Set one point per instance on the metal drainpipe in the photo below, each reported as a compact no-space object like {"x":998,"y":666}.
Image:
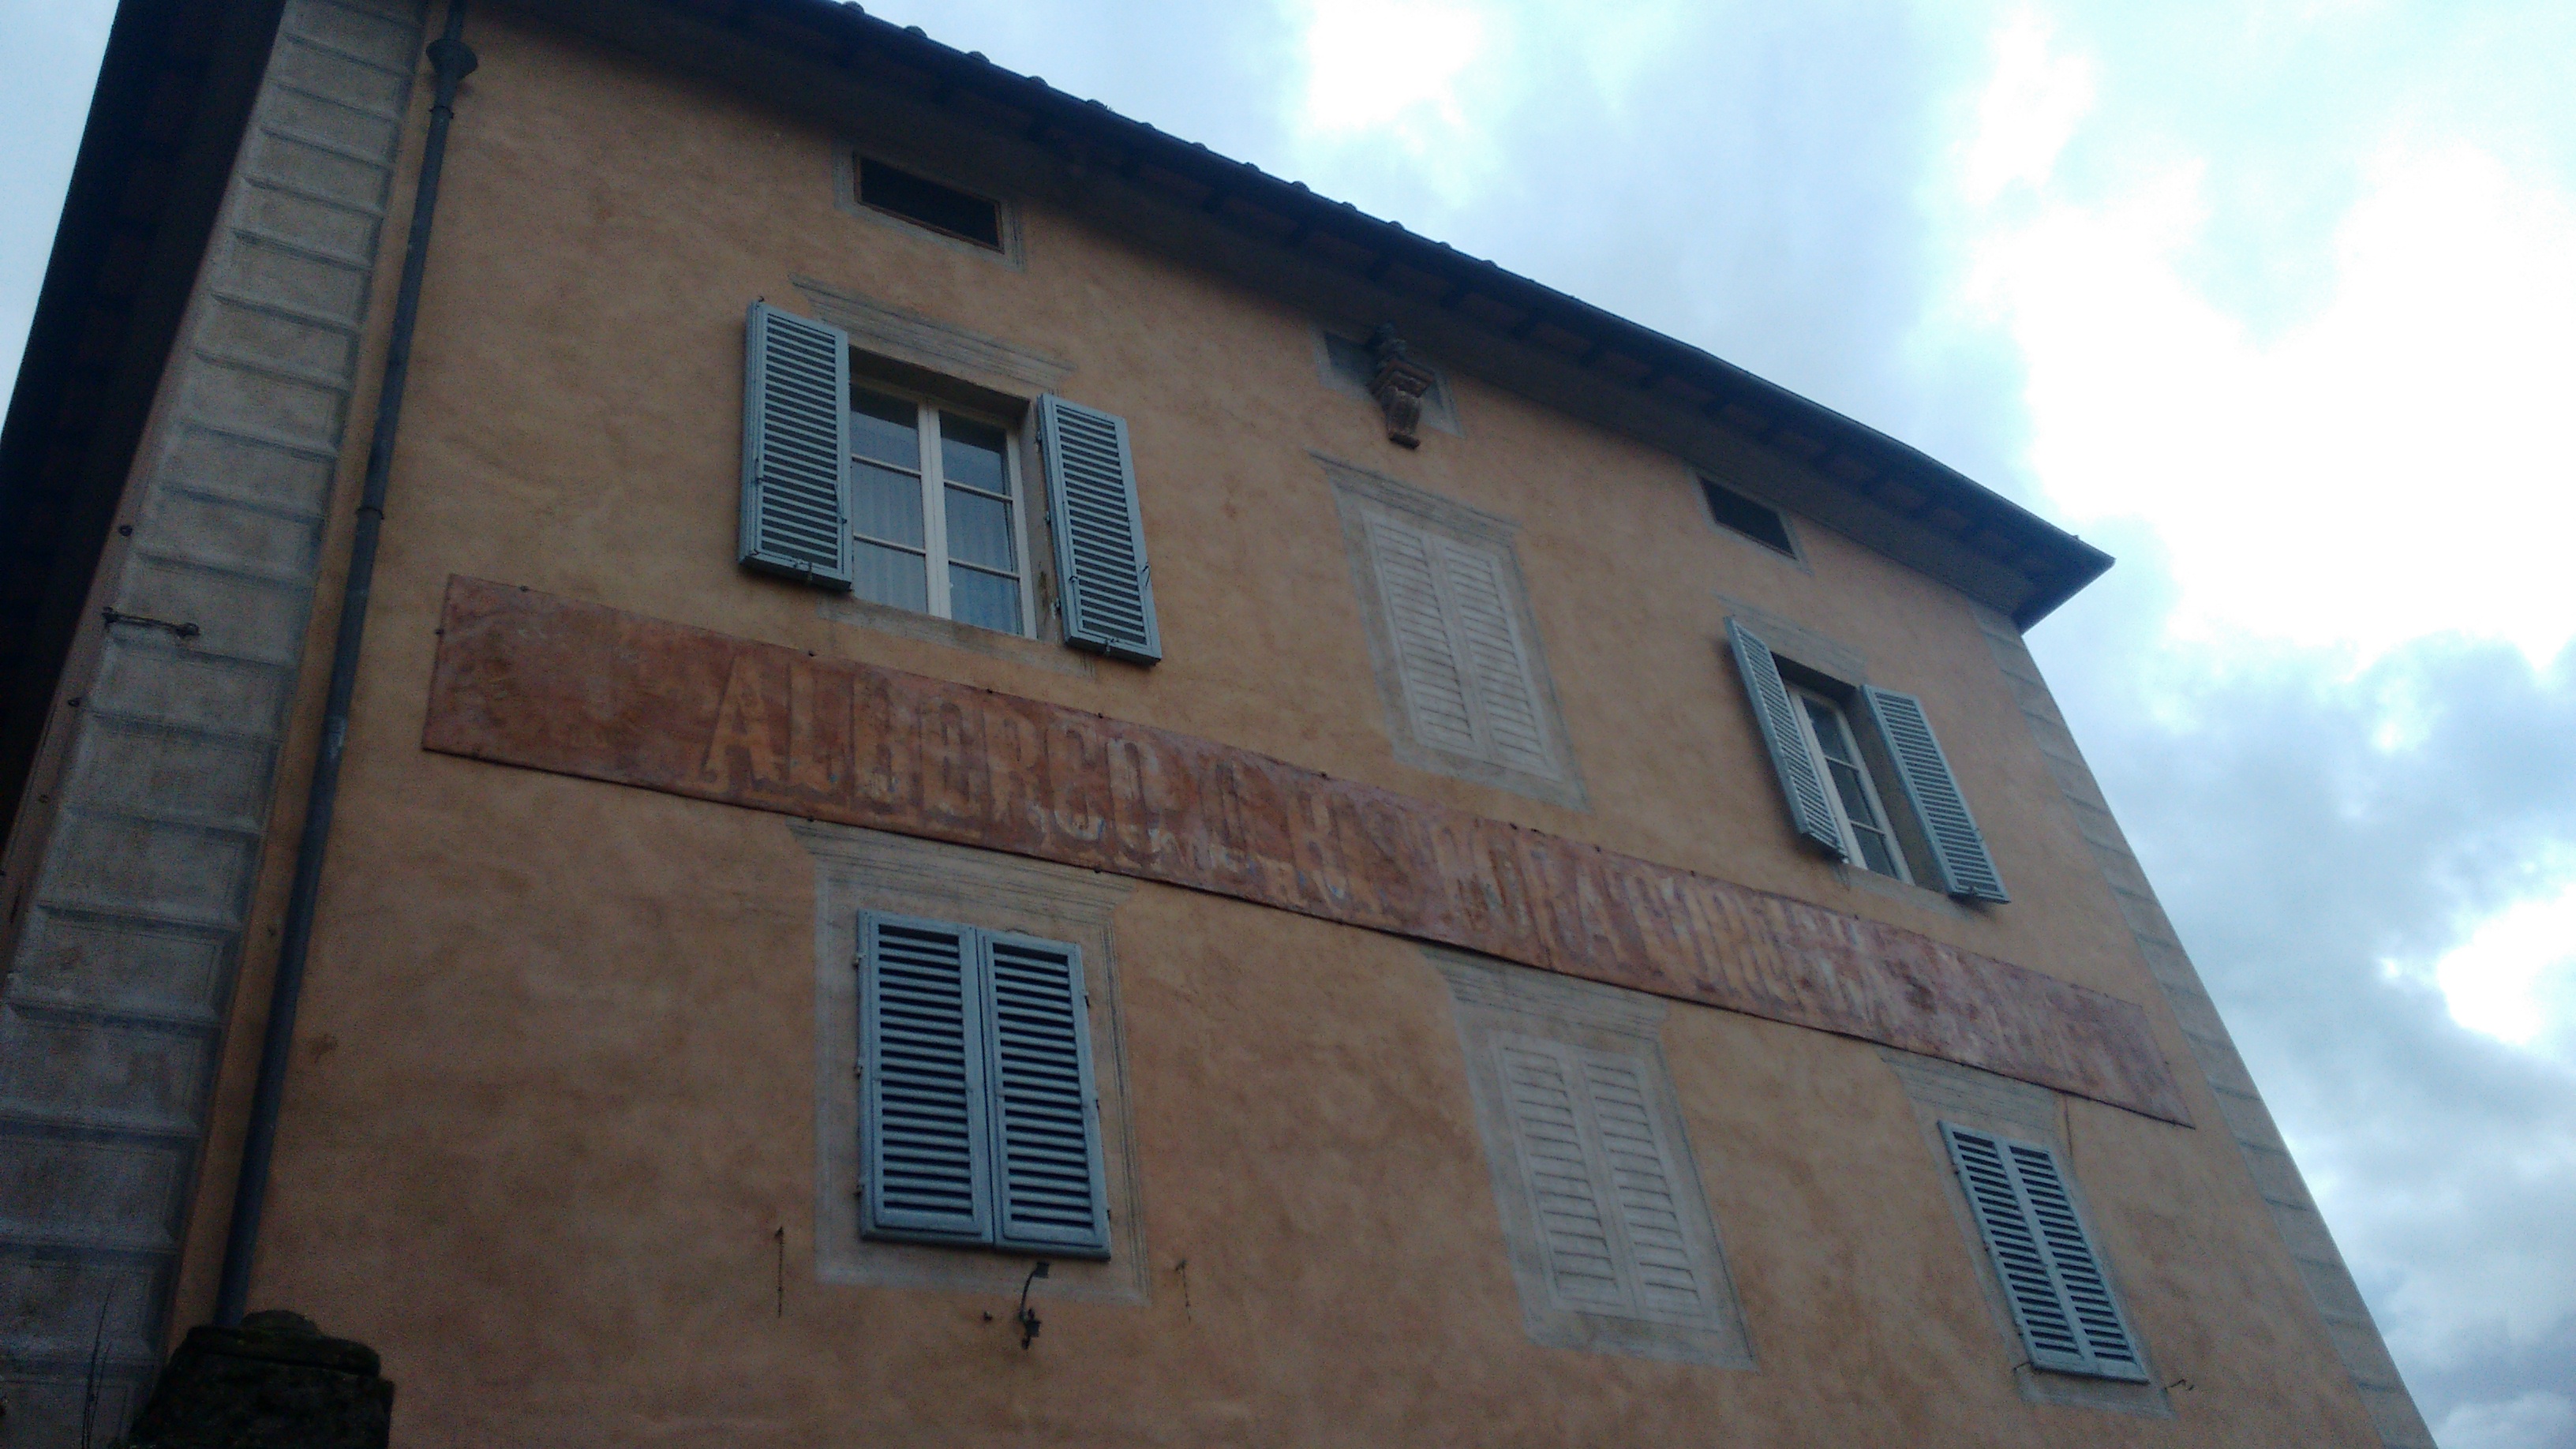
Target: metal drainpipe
{"x":452,"y":60}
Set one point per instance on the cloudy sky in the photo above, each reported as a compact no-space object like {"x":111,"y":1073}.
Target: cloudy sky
{"x":2272,"y":298}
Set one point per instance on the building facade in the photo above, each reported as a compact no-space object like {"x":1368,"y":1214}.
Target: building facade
{"x":949,"y":684}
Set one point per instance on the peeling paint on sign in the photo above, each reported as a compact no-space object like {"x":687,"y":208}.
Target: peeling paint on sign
{"x":529,"y":679}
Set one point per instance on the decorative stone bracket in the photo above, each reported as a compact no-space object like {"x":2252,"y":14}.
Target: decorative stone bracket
{"x":1399,"y":386}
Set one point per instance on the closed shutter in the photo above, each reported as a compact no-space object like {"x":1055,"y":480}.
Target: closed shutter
{"x":1599,"y":1168}
{"x":1046,"y":1126}
{"x":1426,"y":657}
{"x":1556,"y":1160}
{"x":1958,"y":849}
{"x":2061,"y":1300}
{"x":1107,"y":586}
{"x":1640,"y":1164}
{"x":796,"y":447}
{"x":2089,"y":1301}
{"x":1489,"y":642}
{"x":1459,"y":650}
{"x":927,"y":1148}
{"x":1777,"y":714}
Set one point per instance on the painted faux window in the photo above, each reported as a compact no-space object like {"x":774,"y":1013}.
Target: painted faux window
{"x":978,"y":1118}
{"x":1451,"y":638}
{"x":935,"y":512}
{"x":1603,"y":1214}
{"x":1863,"y":776}
{"x":2043,"y":1258}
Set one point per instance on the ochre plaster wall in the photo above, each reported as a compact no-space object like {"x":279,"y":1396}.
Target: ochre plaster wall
{"x":553,"y":1097}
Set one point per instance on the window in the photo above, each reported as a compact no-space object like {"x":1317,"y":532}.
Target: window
{"x":934,"y":512}
{"x":1757,"y":521}
{"x":1842,"y":753}
{"x":1467,"y":682}
{"x":2061,"y":1300}
{"x":979,"y":1123}
{"x":1608,"y":1230}
{"x":1853,"y":796}
{"x":924,"y":202}
{"x":918,"y":505}
{"x":1450,"y":634}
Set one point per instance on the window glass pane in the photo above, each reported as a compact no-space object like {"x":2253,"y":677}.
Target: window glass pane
{"x":979,"y":531}
{"x":988,"y":601}
{"x":887,"y":429}
{"x":1829,"y":728}
{"x":891,"y":576}
{"x":885,"y":504}
{"x":1847,"y":784}
{"x":1874,"y":852}
{"x":971,"y":453}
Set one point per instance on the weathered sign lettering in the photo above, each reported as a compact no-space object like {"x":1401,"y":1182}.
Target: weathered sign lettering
{"x":529,"y":679}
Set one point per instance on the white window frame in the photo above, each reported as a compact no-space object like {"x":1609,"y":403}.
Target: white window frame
{"x":934,"y":500}
{"x":1824,"y":767}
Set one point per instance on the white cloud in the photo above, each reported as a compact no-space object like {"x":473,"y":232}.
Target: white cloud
{"x":1390,"y":67}
{"x":2535,"y":1421}
{"x":2516,"y":970}
{"x":2395,"y":465}
{"x":2028,"y":113}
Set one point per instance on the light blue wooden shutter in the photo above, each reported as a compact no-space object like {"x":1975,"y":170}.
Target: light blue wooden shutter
{"x":796,"y":447}
{"x":927,"y":1143}
{"x":2089,"y":1300}
{"x":1958,"y":849}
{"x":1777,"y":714}
{"x":1045,"y":1118}
{"x":1099,"y":533}
{"x":2061,"y":1299}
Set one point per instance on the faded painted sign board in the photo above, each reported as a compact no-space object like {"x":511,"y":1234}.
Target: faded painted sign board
{"x":529,"y":679}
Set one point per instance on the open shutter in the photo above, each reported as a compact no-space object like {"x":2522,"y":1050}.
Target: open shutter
{"x":1045,"y":1120}
{"x":796,"y":447}
{"x":1099,"y":533}
{"x":1957,"y":847}
{"x":2089,"y":1301}
{"x":2061,"y":1299}
{"x":1777,"y":714}
{"x":927,"y":1147}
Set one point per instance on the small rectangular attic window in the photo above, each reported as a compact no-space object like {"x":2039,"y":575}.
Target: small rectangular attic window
{"x":924,"y":202}
{"x":1757,"y":521}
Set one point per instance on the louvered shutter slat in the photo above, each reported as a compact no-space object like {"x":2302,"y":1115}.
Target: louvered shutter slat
{"x":926,"y":1146}
{"x":1046,"y":1153}
{"x":1776,"y":714}
{"x":1958,"y":848}
{"x":795,"y":448}
{"x":1108,"y":588}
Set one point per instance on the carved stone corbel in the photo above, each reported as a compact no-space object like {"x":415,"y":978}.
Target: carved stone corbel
{"x":1398,"y":386}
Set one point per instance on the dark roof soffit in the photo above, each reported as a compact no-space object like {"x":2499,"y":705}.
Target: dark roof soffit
{"x":1893,"y":496}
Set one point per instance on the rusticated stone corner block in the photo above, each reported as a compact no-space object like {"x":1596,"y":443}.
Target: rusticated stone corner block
{"x":275,"y":1382}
